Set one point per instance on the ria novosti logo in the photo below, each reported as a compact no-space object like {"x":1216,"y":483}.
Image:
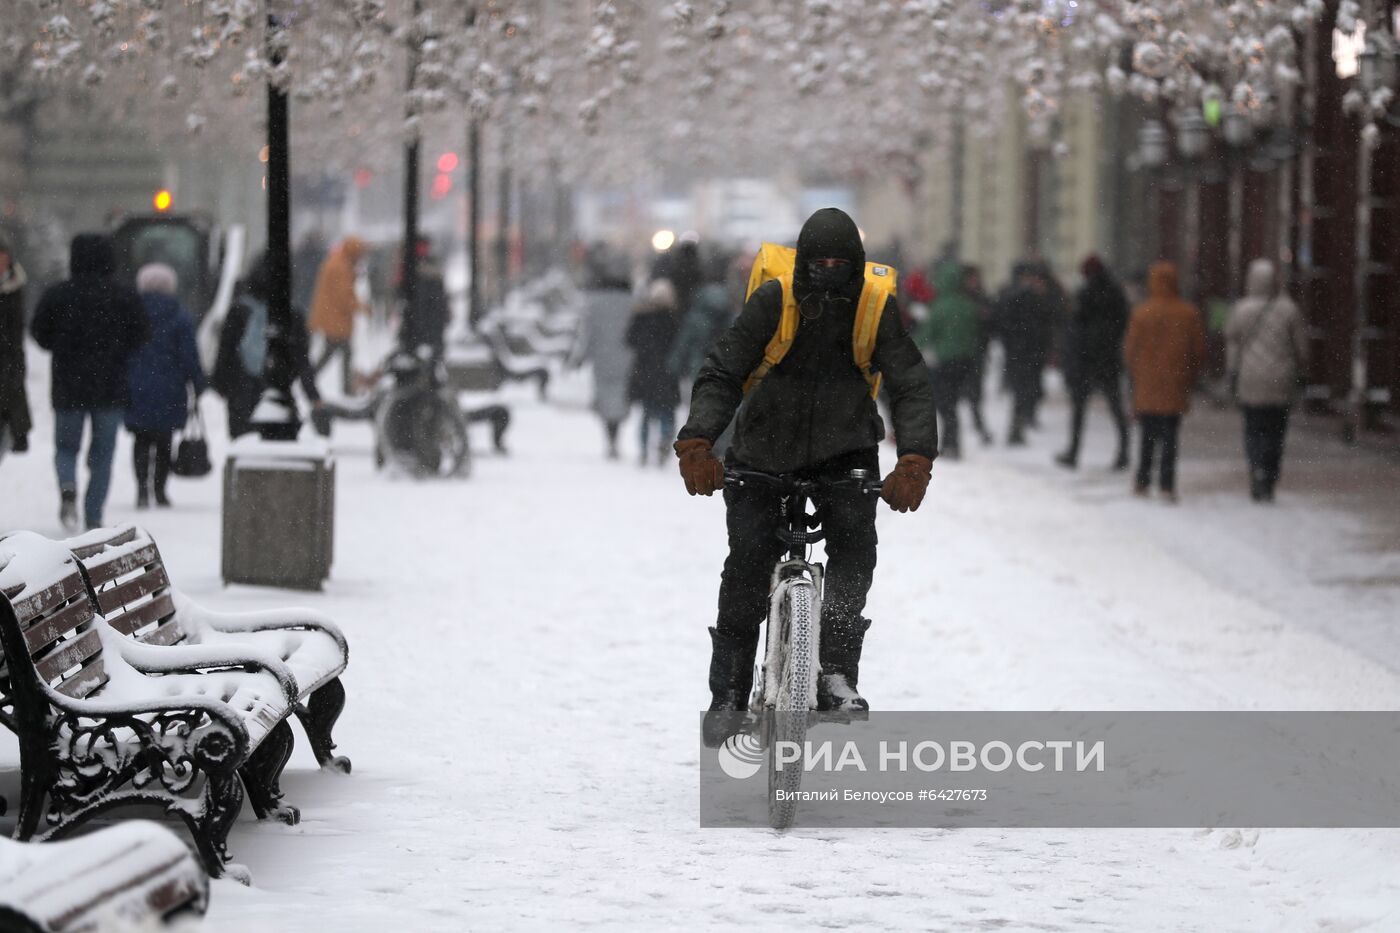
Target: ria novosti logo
{"x":741,"y":756}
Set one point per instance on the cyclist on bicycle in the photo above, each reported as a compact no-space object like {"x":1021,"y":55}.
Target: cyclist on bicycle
{"x":811,"y":415}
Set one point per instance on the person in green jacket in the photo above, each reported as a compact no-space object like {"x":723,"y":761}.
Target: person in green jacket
{"x":951,"y":335}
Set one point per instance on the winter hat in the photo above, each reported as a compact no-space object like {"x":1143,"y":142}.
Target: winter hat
{"x":156,"y":277}
{"x":661,"y":295}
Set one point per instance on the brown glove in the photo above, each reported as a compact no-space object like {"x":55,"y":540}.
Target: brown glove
{"x":904,"y":488}
{"x":701,"y":469}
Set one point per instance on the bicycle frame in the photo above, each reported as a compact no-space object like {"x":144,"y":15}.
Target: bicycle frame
{"x":798,"y":531}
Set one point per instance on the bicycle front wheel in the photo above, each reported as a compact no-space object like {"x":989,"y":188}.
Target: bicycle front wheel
{"x":795,"y":685}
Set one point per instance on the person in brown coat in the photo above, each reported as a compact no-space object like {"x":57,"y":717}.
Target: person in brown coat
{"x":334,"y":305}
{"x":1164,"y":350}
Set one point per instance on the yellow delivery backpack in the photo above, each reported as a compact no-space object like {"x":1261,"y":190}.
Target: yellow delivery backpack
{"x":777,"y":262}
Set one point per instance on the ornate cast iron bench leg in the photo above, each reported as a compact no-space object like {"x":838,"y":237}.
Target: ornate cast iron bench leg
{"x":318,"y":717}
{"x":262,"y":773}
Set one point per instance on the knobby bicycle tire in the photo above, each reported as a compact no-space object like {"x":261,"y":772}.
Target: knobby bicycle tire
{"x":793,"y":699}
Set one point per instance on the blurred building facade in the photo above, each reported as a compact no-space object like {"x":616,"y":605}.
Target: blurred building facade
{"x":1300,"y":190}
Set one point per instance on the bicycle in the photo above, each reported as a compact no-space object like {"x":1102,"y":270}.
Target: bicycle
{"x":787,"y":688}
{"x":418,"y":424}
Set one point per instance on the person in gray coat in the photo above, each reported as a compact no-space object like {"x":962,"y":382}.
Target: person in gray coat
{"x":609,"y":303}
{"x":1266,"y":355}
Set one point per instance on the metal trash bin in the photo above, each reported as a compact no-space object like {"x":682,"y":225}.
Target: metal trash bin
{"x":279,"y":513}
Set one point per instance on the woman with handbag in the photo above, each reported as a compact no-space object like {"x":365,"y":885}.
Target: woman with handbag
{"x":162,"y":375}
{"x":1266,"y":345}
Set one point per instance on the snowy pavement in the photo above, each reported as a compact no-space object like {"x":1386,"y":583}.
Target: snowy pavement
{"x":528,"y":655}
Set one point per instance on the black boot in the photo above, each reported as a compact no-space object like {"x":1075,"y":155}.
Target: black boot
{"x":836,"y":687}
{"x":731,"y":681}
{"x":68,"y":510}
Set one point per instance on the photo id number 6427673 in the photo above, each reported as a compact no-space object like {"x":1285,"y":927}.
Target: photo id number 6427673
{"x":954,"y":794}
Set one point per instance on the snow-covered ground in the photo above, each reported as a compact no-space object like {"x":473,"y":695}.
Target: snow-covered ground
{"x":528,"y":655}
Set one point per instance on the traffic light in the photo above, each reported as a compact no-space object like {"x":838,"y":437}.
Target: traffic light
{"x":162,"y":200}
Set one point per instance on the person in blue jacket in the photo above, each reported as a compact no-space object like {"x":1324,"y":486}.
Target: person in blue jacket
{"x":161,"y":375}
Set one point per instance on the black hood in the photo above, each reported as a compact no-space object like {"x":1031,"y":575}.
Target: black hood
{"x":90,"y":254}
{"x":830,"y":233}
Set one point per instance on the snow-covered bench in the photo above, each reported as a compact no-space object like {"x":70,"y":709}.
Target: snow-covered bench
{"x":104,"y":721}
{"x":517,"y":361}
{"x":131,"y":876}
{"x":128,"y":578}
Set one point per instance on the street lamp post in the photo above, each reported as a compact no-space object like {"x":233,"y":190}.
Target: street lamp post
{"x":1153,"y":152}
{"x":1378,"y":69}
{"x":474,"y":309}
{"x":1193,"y":139}
{"x":408,"y":288}
{"x":276,"y":417}
{"x":1238,"y":132}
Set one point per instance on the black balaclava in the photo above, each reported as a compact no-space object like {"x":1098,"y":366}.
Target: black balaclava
{"x":829,"y":234}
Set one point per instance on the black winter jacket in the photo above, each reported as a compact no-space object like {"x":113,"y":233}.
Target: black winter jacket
{"x":815,"y":404}
{"x":92,"y":324}
{"x":1096,"y":330}
{"x":14,"y":401}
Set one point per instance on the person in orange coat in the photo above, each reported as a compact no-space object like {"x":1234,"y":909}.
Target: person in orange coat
{"x":1164,"y":349}
{"x":334,"y":304}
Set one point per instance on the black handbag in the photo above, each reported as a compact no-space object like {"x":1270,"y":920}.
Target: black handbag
{"x":192,"y":454}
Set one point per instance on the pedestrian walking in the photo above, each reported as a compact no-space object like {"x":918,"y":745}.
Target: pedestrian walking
{"x":1023,"y":322}
{"x":162,"y":375}
{"x":709,"y":314}
{"x":949,"y":335}
{"x":334,"y":305}
{"x":1266,"y":346}
{"x":15,"y":422}
{"x":92,"y":324}
{"x":681,"y":266}
{"x":608,"y":299}
{"x":972,"y":386}
{"x":1164,"y":349}
{"x":426,"y":324}
{"x":238,"y":369}
{"x":1093,"y":357}
{"x":650,"y":334}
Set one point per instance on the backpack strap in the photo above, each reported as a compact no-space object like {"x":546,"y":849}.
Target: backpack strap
{"x":782,"y":338}
{"x":868,"y":313}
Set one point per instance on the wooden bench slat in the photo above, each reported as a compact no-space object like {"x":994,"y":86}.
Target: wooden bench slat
{"x":47,"y":631}
{"x":69,"y":654}
{"x":167,"y":633}
{"x":132,"y":590}
{"x":133,"y":620}
{"x":106,"y":569}
{"x":33,"y":606}
{"x":121,"y":537}
{"x":84,"y":683}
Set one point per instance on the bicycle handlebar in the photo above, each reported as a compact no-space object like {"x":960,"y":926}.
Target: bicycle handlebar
{"x":788,"y":483}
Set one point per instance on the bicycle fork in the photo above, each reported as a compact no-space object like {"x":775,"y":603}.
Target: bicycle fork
{"x":777,"y":636}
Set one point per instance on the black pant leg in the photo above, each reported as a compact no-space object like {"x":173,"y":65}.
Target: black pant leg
{"x":161,"y":443}
{"x":1143,"y":478}
{"x":1253,"y":429}
{"x":752,"y":515}
{"x":1270,"y":427}
{"x":848,"y":520}
{"x":1079,"y":403}
{"x":947,"y":384}
{"x":1110,"y":384}
{"x":1171,"y":427}
{"x":141,"y":458}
